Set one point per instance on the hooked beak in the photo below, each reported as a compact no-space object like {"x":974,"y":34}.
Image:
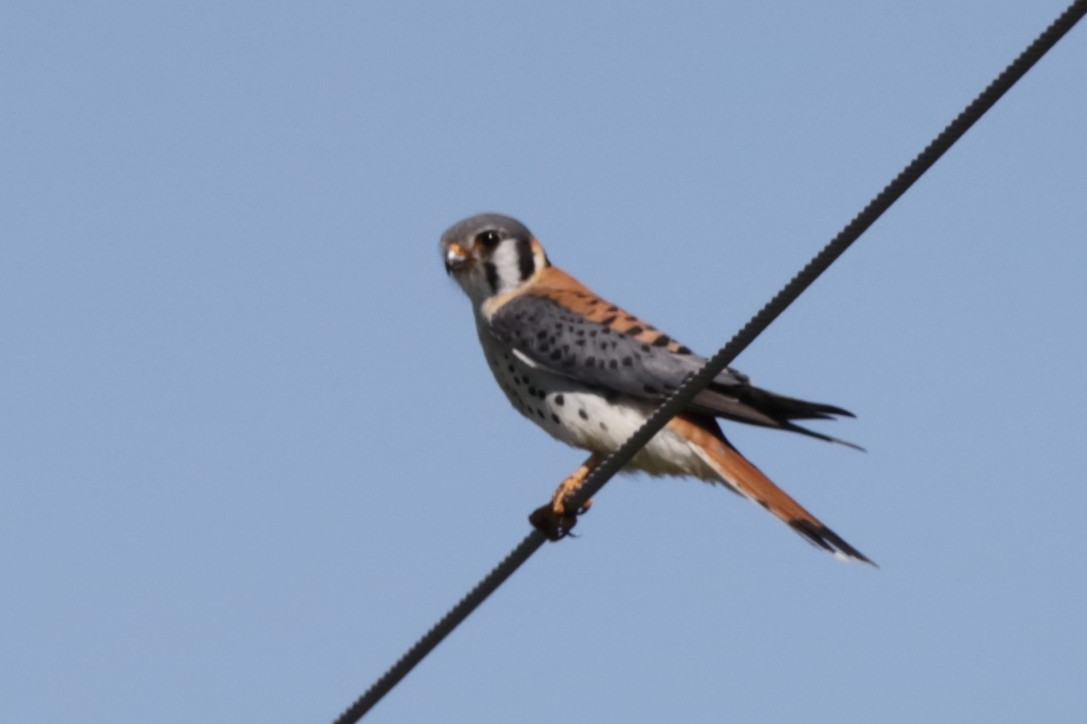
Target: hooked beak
{"x":456,"y":258}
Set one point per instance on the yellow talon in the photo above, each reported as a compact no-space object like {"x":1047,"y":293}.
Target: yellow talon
{"x":554,"y":520}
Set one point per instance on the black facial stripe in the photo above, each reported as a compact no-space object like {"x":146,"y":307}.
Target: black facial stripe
{"x":526,"y":264}
{"x":492,"y":275}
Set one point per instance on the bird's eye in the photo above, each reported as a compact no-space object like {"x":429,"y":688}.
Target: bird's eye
{"x":488,"y":239}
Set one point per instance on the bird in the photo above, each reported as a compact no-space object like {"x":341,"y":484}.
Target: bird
{"x":589,"y":374}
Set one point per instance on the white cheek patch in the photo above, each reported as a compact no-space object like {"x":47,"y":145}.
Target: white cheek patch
{"x":507,"y":262}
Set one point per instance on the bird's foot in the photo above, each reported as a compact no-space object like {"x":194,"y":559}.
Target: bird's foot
{"x":558,"y":518}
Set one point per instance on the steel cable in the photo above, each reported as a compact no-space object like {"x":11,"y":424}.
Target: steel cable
{"x":765,"y":316}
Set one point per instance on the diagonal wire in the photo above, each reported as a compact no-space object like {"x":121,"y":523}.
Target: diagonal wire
{"x":829,"y":253}
{"x":674,"y":404}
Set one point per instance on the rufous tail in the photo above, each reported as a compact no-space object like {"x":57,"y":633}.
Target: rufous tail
{"x":742,"y":475}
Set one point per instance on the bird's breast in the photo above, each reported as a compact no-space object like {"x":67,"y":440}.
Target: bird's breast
{"x":586,"y":417}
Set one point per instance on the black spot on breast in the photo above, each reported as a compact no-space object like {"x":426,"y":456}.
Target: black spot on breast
{"x":607,"y":320}
{"x":634,"y":331}
{"x":582,"y":414}
{"x":555,"y":419}
{"x":541,"y":414}
{"x":510,"y":367}
{"x":683,"y":350}
{"x":579,"y":342}
{"x":628,"y":361}
{"x":646,"y":348}
{"x":613,"y":308}
{"x":650,"y":389}
{"x":541,"y":334}
{"x":661,"y":341}
{"x":556,"y":354}
{"x":560,"y":400}
{"x":603,"y":427}
{"x":590,"y":361}
{"x":593,"y":302}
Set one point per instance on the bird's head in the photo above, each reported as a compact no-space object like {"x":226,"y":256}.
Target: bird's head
{"x":489,"y":254}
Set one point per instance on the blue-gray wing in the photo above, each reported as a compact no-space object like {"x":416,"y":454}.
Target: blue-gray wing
{"x":599,"y":355}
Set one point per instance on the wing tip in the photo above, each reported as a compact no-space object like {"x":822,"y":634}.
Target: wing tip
{"x":823,"y":537}
{"x":852,"y":445}
{"x":793,"y":427}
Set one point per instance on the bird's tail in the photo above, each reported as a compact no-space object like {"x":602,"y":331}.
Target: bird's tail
{"x":748,"y":480}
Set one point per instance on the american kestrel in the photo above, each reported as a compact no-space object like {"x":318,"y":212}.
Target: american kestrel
{"x":590,"y":374}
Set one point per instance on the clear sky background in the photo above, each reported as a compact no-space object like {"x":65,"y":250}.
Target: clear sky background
{"x":250,"y":450}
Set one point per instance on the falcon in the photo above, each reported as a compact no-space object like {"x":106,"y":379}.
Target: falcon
{"x":590,"y":374}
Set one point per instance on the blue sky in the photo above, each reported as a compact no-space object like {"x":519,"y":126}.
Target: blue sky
{"x":249,"y":448}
